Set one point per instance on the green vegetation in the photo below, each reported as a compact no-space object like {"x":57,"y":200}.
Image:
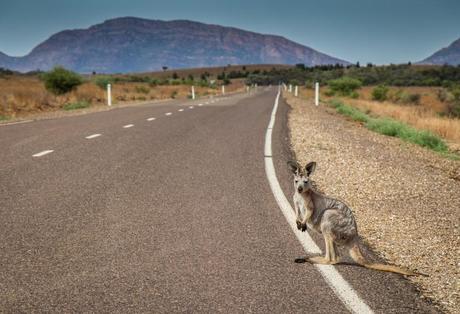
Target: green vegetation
{"x":142,"y":90}
{"x":380,"y":93}
{"x":453,"y":108}
{"x":391,"y":75}
{"x":344,"y":86}
{"x":406,"y":98}
{"x":4,"y":118}
{"x":76,"y":105}
{"x":61,"y":81}
{"x":103,"y":81}
{"x":393,"y":128}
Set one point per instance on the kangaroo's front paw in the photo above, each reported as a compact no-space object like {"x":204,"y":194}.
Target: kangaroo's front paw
{"x":299,"y":224}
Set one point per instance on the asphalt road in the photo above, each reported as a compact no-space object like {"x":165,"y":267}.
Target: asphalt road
{"x":169,"y":215}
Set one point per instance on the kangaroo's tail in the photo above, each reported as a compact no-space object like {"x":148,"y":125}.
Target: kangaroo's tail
{"x":357,"y":256}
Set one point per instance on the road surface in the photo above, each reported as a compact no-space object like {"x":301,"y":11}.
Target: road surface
{"x":162,"y":209}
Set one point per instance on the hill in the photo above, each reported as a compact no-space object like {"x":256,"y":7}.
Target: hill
{"x":131,"y":44}
{"x":449,"y":55}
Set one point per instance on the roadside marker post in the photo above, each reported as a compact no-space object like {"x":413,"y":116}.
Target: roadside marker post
{"x":317,"y":94}
{"x":193,"y":92}
{"x":247,"y":88}
{"x":109,"y":95}
{"x":290,"y":88}
{"x":223,"y":89}
{"x":296,"y":91}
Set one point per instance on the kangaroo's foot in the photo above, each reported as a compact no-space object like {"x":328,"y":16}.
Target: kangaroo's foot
{"x":321,"y":260}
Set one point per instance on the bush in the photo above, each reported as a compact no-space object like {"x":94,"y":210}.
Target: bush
{"x":380,"y":93}
{"x":344,"y":86}
{"x":61,"y":81}
{"x":329,"y":93}
{"x":76,"y":105}
{"x":174,"y":94}
{"x":354,"y":95}
{"x":103,"y":81}
{"x":142,"y":90}
{"x":403,"y":97}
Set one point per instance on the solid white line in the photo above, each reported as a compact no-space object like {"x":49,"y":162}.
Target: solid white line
{"x":180,"y":110}
{"x":168,"y":113}
{"x":92,"y":136}
{"x":151,"y":119}
{"x":128,"y":126}
{"x":45,"y":152}
{"x":340,"y":286}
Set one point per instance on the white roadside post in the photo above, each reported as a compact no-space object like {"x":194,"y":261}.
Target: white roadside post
{"x":316,"y":93}
{"x":247,"y":88}
{"x":290,"y":88}
{"x":109,"y":94}
{"x":223,"y":89}
{"x":193,"y":92}
{"x":296,"y":91}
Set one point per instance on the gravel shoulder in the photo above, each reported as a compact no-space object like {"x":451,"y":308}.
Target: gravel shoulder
{"x":406,"y":199}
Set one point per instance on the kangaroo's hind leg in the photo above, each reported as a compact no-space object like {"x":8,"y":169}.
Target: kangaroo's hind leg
{"x":330,"y":256}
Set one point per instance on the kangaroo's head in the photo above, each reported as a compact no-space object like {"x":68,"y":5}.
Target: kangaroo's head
{"x":302,"y":182}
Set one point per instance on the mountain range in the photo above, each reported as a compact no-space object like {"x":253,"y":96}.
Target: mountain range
{"x":131,"y":44}
{"x":449,"y":55}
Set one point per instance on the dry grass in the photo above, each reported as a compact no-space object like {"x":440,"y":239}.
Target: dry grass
{"x":23,"y":95}
{"x":425,"y":116}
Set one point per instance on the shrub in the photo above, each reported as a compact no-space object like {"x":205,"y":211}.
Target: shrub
{"x":354,"y":95}
{"x":142,"y":90}
{"x":344,"y":86}
{"x":61,"y":81}
{"x":76,"y":105}
{"x":329,"y":93}
{"x":103,"y":81}
{"x":380,"y":93}
{"x":174,"y":94}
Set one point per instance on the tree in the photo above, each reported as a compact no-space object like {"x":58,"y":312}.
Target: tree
{"x":61,"y":81}
{"x":164,"y":68}
{"x":175,"y":76}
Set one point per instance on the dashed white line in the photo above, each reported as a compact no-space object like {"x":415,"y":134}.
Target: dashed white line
{"x":93,"y":136}
{"x":43,"y":153}
{"x":168,"y":113}
{"x":191,"y":107}
{"x":151,"y":119}
{"x":199,"y":105}
{"x":180,"y":110}
{"x":128,"y":126}
{"x":333,"y":278}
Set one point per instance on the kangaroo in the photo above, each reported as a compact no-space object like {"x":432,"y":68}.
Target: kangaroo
{"x":331,"y":218}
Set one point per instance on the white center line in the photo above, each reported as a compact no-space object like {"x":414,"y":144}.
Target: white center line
{"x":45,"y":152}
{"x":199,"y":105}
{"x":191,"y":107}
{"x":128,"y":126}
{"x":92,"y":136}
{"x":151,"y":119}
{"x":333,"y":278}
{"x":180,"y":110}
{"x":168,"y":113}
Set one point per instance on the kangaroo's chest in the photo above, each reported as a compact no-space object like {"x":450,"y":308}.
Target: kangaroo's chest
{"x":306,"y":209}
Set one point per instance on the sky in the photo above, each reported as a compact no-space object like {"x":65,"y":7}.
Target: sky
{"x":381,"y":32}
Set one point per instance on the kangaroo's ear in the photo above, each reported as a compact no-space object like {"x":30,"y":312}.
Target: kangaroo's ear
{"x":293,"y":166}
{"x":310,"y":168}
